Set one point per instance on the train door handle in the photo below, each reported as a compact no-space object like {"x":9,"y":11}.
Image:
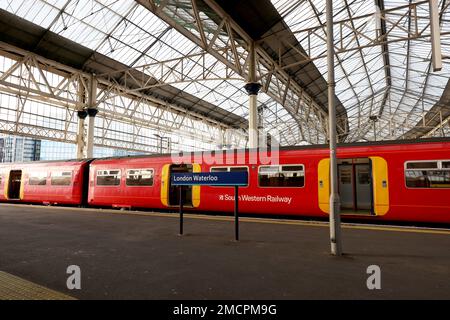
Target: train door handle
{"x":384,"y":184}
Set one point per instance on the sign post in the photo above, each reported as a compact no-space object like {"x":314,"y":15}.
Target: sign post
{"x":236,"y":179}
{"x":236,"y":213}
{"x":181,"y":210}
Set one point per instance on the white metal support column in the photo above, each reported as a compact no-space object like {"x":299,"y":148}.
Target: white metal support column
{"x":81,"y":115}
{"x":436,"y":52}
{"x":81,"y":138}
{"x":335,"y":205}
{"x":92,"y":112}
{"x":252,"y":88}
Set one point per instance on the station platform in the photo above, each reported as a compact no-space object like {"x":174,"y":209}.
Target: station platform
{"x":139,"y":255}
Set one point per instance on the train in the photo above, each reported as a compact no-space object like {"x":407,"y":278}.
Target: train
{"x":402,"y":181}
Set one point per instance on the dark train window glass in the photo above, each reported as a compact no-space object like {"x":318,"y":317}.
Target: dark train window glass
{"x":346,"y":175}
{"x":439,"y":179}
{"x":63,"y":178}
{"x":108,"y":177}
{"x":422,"y":165}
{"x":416,"y":179}
{"x":363,"y":177}
{"x":37,"y":179}
{"x":281,"y":176}
{"x":446,"y":164}
{"x":219,"y":169}
{"x":427,"y":179}
{"x":238,"y":169}
{"x":140,"y":177}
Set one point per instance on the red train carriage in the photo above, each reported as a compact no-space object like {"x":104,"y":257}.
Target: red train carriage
{"x":56,"y":182}
{"x":126,"y":182}
{"x":389,"y":181}
{"x":398,"y":181}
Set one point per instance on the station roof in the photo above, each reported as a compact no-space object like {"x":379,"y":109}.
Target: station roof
{"x":262,"y":21}
{"x":34,"y":38}
{"x":393,"y":82}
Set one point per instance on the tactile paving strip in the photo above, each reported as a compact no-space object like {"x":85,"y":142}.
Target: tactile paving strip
{"x":15,"y":288}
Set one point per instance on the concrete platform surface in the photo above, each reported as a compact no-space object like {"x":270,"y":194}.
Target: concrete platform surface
{"x":128,"y":256}
{"x":15,"y":288}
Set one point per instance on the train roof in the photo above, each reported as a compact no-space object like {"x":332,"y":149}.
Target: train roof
{"x":287,"y":148}
{"x":48,"y":161}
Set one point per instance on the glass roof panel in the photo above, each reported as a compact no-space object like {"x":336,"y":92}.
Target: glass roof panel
{"x":36,"y":11}
{"x":361,"y":74}
{"x":127,"y":32}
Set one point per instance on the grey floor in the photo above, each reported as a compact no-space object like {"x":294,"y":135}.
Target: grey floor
{"x":142,"y":257}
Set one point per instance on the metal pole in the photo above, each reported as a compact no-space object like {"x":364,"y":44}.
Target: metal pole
{"x":181,"y":210}
{"x":92,"y":112}
{"x":236,"y":213}
{"x":436,"y":51}
{"x":252,"y":88}
{"x":82,"y":114}
{"x":80,"y":134}
{"x":335,"y":219}
{"x":374,"y":130}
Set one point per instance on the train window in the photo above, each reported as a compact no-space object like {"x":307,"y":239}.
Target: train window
{"x":439,"y":179}
{"x":108,"y":177}
{"x":38,"y":178}
{"x":281,"y":176}
{"x":363,"y":176}
{"x":238,"y":169}
{"x":345,"y":175}
{"x":422,"y":165}
{"x":219,"y":169}
{"x":62,"y":178}
{"x":139,"y":177}
{"x":435,"y":174}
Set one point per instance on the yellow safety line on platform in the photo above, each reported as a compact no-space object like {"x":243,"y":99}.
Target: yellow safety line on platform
{"x":15,"y":288}
{"x":247,"y":219}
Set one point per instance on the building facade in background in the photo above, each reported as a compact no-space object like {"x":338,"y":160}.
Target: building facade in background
{"x":19,"y":149}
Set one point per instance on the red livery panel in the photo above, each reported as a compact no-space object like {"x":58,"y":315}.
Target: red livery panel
{"x":59,"y":182}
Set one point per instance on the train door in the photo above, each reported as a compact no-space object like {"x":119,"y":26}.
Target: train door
{"x":174,"y":191}
{"x":355,"y":185}
{"x":170,"y":195}
{"x":346,"y":181}
{"x":14,"y":184}
{"x":363,"y":185}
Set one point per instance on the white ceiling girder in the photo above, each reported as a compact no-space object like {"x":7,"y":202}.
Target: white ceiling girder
{"x":228,"y":43}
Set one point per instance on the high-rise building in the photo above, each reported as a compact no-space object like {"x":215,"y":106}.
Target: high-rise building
{"x":19,"y":149}
{"x":2,"y":143}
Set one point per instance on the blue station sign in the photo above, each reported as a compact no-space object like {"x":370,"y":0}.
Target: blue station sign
{"x":238,"y":178}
